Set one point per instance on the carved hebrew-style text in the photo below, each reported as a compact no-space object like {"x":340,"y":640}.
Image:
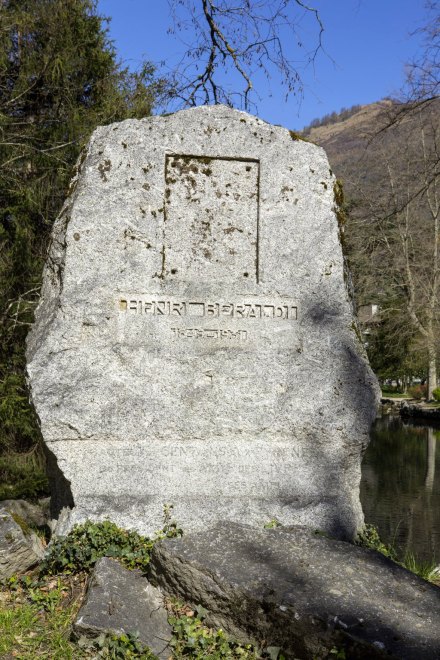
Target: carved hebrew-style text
{"x":246,"y":309}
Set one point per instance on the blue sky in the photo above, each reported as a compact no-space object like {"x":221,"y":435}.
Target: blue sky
{"x":367,"y":43}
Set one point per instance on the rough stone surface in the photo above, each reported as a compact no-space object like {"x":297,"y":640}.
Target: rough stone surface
{"x":122,"y":601}
{"x":195,"y":342}
{"x":19,"y":549}
{"x":303,"y":592}
{"x":32,"y":514}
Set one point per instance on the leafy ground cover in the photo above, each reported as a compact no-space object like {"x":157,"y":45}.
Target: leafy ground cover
{"x":37,"y":610}
{"x":36,"y":615}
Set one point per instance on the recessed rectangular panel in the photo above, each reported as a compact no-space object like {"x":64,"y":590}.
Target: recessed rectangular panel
{"x":211,"y":219}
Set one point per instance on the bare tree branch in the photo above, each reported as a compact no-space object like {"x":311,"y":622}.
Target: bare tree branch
{"x":235,"y":39}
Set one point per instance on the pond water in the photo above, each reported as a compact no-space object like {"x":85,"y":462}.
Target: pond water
{"x":400,"y":487}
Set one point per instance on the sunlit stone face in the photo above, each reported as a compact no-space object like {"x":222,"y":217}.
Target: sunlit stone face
{"x":194,"y":344}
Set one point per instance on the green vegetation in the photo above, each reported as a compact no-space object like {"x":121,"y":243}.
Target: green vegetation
{"x":193,"y":639}
{"x":116,"y":647}
{"x":369,"y":538}
{"x":59,"y":79}
{"x":393,"y":395}
{"x":35,"y":618}
{"x":428,"y":570}
{"x":79,"y":551}
{"x":20,"y":480}
{"x":36,"y":613}
{"x":436,"y":394}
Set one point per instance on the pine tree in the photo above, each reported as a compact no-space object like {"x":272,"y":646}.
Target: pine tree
{"x":59,"y":79}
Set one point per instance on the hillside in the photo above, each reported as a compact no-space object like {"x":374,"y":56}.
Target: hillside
{"x":387,"y":156}
{"x":346,"y":142}
{"x":381,"y":170}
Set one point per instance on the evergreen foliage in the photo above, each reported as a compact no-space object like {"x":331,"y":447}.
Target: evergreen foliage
{"x":332,"y":118}
{"x":59,"y":79}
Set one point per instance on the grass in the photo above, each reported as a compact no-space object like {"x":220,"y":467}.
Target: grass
{"x":37,"y":611}
{"x":428,"y":570}
{"x":35,"y":621}
{"x":394,"y":395}
{"x":36,"y":616}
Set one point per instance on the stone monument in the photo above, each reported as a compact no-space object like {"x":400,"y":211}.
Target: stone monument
{"x":195,"y":342}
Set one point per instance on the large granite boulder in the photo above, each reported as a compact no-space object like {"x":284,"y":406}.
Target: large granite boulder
{"x":302,"y":592}
{"x":195,"y":342}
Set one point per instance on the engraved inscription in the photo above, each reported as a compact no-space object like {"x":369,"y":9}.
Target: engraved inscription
{"x":207,"y":333}
{"x":282,"y":310}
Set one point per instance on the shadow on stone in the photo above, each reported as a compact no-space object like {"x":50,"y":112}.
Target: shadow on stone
{"x":61,"y":494}
{"x":302,"y":591}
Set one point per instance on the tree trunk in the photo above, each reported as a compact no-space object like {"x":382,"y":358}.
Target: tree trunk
{"x":432,"y":372}
{"x":430,"y":466}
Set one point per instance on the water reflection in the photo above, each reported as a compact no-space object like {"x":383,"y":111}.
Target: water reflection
{"x":400,"y":488}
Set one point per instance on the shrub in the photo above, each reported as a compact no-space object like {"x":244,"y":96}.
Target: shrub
{"x":193,"y":639}
{"x":86,"y":543}
{"x":418,"y":392}
{"x":369,"y":537}
{"x":21,"y":481}
{"x":436,"y":393}
{"x":391,"y":389}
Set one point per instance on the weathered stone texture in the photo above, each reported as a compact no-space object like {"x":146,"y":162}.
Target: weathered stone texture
{"x":121,"y":601}
{"x":302,"y":592}
{"x":20,"y":549}
{"x":195,"y":342}
{"x":33,"y":514}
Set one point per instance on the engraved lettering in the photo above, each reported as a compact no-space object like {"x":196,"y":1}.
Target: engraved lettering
{"x":162,"y":308}
{"x":242,"y":310}
{"x":149,"y":308}
{"x":227,"y":309}
{"x":178,"y":309}
{"x":209,"y":333}
{"x":211,"y":309}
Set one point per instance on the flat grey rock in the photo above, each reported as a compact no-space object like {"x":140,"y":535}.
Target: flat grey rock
{"x":302,"y":592}
{"x":19,"y":550}
{"x":122,"y":601}
{"x":195,"y":342}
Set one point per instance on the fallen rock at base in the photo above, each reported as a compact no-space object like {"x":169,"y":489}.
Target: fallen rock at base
{"x":122,"y":601}
{"x":32,"y":514}
{"x":20,"y":548}
{"x":301,"y":591}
